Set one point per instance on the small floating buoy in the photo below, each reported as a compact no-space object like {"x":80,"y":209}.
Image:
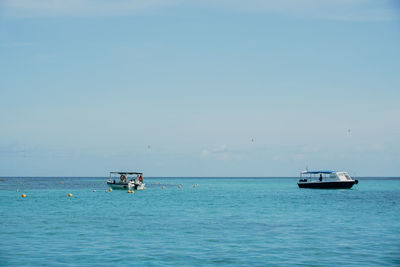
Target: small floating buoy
{"x":23,"y":195}
{"x":131,"y":191}
{"x":162,"y":187}
{"x":180,"y":186}
{"x":110,"y":189}
{"x":144,"y":187}
{"x":70,"y":195}
{"x":94,"y":190}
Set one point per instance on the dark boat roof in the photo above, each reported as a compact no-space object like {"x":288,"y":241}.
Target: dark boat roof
{"x":316,"y":172}
{"x":128,"y":173}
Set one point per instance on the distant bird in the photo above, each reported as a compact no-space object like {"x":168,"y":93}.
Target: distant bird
{"x":252,"y":139}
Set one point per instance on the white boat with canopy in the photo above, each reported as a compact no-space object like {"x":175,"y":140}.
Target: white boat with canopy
{"x":326,"y":180}
{"x":126,"y":180}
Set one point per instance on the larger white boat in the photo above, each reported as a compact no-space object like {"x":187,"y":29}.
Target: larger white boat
{"x":326,"y":180}
{"x":126,"y":180}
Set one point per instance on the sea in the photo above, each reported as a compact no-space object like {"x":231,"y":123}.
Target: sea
{"x":219,"y":222}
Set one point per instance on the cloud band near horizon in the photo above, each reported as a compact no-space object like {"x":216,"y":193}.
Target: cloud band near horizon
{"x":356,"y":10}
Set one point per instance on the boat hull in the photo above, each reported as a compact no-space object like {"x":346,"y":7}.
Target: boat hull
{"x":125,"y":186}
{"x":327,"y":185}
{"x":122,"y":186}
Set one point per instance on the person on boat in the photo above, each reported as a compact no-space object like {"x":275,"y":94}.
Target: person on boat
{"x":141,"y":178}
{"x":123,"y":178}
{"x":320,"y":177}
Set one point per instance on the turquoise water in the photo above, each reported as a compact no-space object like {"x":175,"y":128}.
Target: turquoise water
{"x":236,"y":222}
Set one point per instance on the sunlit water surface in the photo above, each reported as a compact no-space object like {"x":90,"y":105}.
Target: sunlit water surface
{"x":253,"y":222}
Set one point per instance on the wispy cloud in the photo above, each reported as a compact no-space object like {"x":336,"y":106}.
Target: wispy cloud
{"x":357,"y":10}
{"x":220,"y":153}
{"x":16,"y":44}
{"x":49,"y":8}
{"x":378,"y":148}
{"x":17,"y":150}
{"x":328,"y":9}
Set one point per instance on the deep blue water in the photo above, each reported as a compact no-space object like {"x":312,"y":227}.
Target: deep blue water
{"x":236,"y":222}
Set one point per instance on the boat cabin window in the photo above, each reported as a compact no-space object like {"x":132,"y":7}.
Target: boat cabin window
{"x":332,"y":175}
{"x":347,"y":176}
{"x":343,"y":176}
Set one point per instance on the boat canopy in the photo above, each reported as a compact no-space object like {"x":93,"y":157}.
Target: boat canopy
{"x":317,"y":172}
{"x":128,"y":173}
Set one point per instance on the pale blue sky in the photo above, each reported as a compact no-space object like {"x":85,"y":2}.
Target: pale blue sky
{"x":199,"y":88}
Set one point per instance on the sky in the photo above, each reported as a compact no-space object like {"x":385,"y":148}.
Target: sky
{"x":199,"y":88}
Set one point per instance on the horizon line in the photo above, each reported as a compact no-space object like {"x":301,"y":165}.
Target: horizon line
{"x":183,"y":177}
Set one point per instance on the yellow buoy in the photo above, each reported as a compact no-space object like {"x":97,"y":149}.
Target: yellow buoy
{"x":70,"y":195}
{"x":144,"y":187}
{"x":110,"y":189}
{"x":162,"y":187}
{"x":180,"y":186}
{"x":23,"y":195}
